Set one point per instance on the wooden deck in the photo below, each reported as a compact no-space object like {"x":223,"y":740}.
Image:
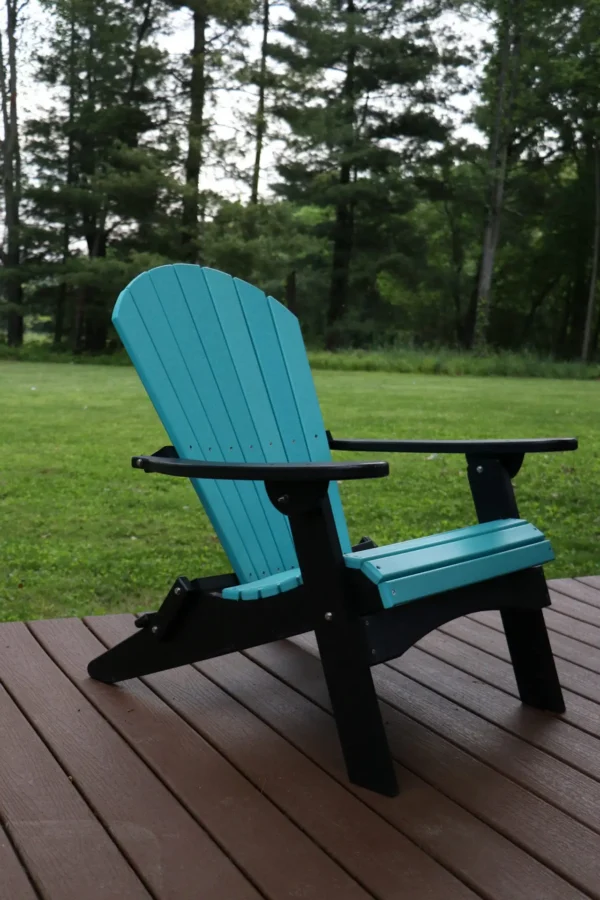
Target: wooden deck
{"x":224,"y":780}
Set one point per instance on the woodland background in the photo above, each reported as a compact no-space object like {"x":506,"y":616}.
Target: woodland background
{"x":396,"y":181}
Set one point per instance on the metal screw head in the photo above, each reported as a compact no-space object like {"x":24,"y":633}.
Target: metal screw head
{"x":139,"y":463}
{"x":283,"y":499}
{"x":328,"y":616}
{"x":177,"y":591}
{"x":154,"y":629}
{"x":479,"y":470}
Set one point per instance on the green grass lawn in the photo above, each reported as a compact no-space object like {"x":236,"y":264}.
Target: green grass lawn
{"x":81,"y":532}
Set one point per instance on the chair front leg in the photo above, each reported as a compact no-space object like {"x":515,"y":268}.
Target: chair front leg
{"x":340,"y":633}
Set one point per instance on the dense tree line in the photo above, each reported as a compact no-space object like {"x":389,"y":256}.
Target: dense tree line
{"x":382,"y":220}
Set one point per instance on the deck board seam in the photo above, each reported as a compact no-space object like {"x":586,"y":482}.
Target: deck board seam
{"x":275,"y":805}
{"x":6,"y":831}
{"x":589,"y":626}
{"x":155,"y":774}
{"x":564,"y":591}
{"x":522,"y":784}
{"x":254,"y":784}
{"x":568,"y":692}
{"x":341,"y":783}
{"x":579,"y":579}
{"x":490,"y":652}
{"x":557,"y":653}
{"x":493,"y":721}
{"x":503,"y":834}
{"x":76,"y":785}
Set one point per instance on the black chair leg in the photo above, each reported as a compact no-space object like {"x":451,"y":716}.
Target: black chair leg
{"x":344,"y":656}
{"x":532,"y":659}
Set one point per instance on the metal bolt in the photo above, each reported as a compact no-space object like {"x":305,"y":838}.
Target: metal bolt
{"x":154,"y":629}
{"x":283,"y":500}
{"x":479,"y":470}
{"x":373,"y":652}
{"x":328,"y":616}
{"x":139,"y":463}
{"x":177,"y":591}
{"x":393,"y":593}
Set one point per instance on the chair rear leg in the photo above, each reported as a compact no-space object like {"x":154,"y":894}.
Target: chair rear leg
{"x":344,"y":656}
{"x":532,"y":659}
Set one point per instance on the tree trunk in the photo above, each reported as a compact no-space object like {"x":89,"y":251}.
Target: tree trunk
{"x":343,"y":240}
{"x":59,"y":315}
{"x":458,"y":261}
{"x":290,"y":293}
{"x":11,"y":175}
{"x":261,"y":122}
{"x":63,"y":292}
{"x":591,"y":303}
{"x":499,"y":142}
{"x":536,"y":303}
{"x":195,"y":133}
{"x":595,"y":339}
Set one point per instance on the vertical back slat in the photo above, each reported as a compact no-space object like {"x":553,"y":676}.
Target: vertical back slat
{"x":289,"y":335}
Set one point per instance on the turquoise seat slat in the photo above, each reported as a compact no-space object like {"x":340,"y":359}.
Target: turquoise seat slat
{"x":457,"y":559}
{"x":471,"y":547}
{"x":307,"y":403}
{"x":177,"y":343}
{"x":151,"y":370}
{"x":265,"y":587}
{"x":357,"y":560}
{"x":445,"y":578}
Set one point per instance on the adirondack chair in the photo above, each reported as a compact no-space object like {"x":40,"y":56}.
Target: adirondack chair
{"x":227,"y":372}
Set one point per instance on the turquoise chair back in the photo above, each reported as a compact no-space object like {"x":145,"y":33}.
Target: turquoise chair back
{"x":226,"y":369}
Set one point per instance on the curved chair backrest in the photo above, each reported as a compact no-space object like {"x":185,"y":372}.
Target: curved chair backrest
{"x":226,"y":369}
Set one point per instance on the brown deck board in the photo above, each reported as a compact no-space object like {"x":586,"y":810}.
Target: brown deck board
{"x":491,"y":640}
{"x":553,"y":780}
{"x":564,"y":646}
{"x":61,"y":842}
{"x":277,"y":855}
{"x":592,"y":581}
{"x":490,"y":669}
{"x":225,"y":779}
{"x":577,"y":609}
{"x":166,"y":846}
{"x":372,"y":851}
{"x":555,"y":736}
{"x":587,"y":590}
{"x":478,"y":788}
{"x":14,"y":881}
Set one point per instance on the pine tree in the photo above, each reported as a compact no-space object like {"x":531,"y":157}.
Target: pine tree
{"x":359,"y":105}
{"x":101,"y":156}
{"x":10,"y":160}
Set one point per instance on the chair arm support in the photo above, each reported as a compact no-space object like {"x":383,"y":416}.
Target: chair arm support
{"x":494,"y":448}
{"x":310,"y":472}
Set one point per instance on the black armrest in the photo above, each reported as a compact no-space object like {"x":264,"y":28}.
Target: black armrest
{"x":470,"y":448}
{"x":233,"y":471}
